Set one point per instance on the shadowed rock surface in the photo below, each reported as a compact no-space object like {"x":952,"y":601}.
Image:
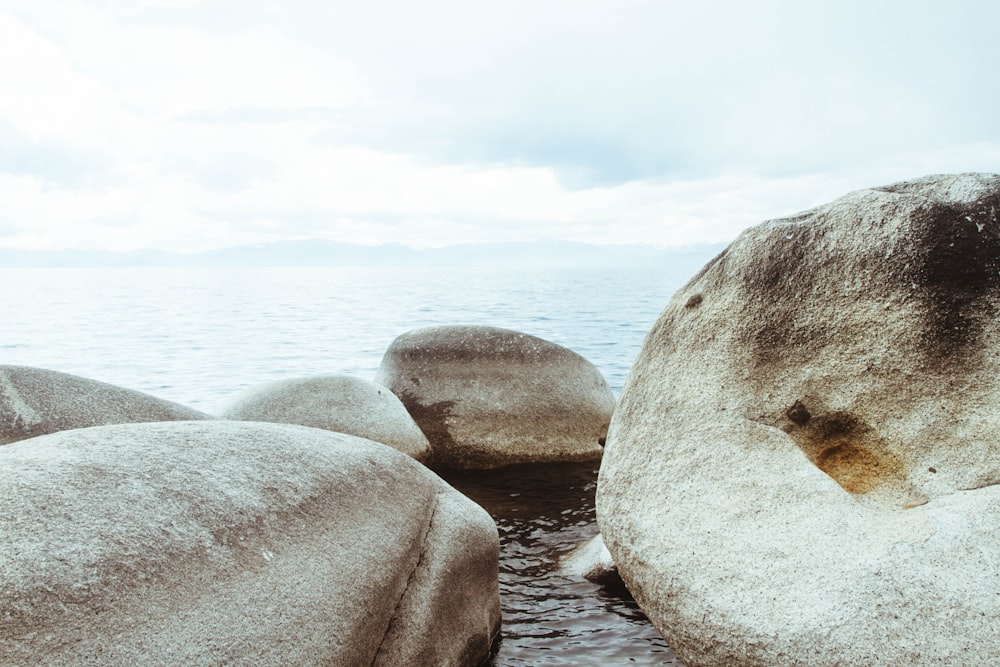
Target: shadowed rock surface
{"x":336,"y":403}
{"x":802,"y":467}
{"x":207,"y":543}
{"x":35,"y":401}
{"x":488,"y":397}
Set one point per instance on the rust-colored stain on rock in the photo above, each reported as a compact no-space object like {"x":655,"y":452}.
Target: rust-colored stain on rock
{"x":854,"y":467}
{"x":849,"y":451}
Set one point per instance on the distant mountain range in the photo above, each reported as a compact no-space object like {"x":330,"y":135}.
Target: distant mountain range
{"x":550,"y":254}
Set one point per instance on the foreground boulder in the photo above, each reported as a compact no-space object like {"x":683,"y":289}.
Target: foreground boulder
{"x":336,"y":403}
{"x":35,"y":401}
{"x":487,"y":397}
{"x":803,"y":466}
{"x":207,"y":543}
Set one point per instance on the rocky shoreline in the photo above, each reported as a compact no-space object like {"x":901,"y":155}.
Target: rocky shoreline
{"x":801,"y":470}
{"x":147,"y":532}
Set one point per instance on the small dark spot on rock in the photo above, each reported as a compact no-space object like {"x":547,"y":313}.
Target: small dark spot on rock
{"x":694,"y":301}
{"x":798,"y":413}
{"x":602,"y":441}
{"x":932,"y":469}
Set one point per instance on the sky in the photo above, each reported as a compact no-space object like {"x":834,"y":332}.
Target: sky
{"x":187,"y":125}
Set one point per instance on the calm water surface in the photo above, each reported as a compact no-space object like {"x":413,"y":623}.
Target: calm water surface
{"x":200,"y":336}
{"x":550,"y":618}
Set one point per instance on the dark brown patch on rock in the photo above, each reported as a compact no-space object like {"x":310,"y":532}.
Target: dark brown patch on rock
{"x":945,"y":255}
{"x":776,"y":285}
{"x":957,"y":273}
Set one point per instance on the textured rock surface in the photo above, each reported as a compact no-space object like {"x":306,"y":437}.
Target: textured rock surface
{"x":336,"y":403}
{"x":487,"y":397}
{"x":217,"y":542}
{"x":591,"y":560}
{"x":35,"y":401}
{"x":802,"y":467}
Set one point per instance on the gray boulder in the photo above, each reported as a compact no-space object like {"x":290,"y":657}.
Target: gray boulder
{"x":35,"y":401}
{"x":487,"y":397}
{"x":336,"y":403}
{"x":590,"y":560}
{"x":219,"y":542}
{"x":803,"y":466}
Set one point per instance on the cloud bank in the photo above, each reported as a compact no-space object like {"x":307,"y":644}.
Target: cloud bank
{"x":189,"y":125}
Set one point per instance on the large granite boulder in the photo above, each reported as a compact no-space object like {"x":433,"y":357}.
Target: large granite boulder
{"x":488,"y":397}
{"x":208,"y":543}
{"x":35,"y":401}
{"x":336,"y":403}
{"x":803,"y":466}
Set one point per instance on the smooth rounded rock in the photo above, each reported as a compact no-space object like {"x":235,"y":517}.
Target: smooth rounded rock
{"x":803,"y":465}
{"x":221,"y":542}
{"x":488,"y":397}
{"x":591,"y":560}
{"x":336,"y":403}
{"x":36,"y":401}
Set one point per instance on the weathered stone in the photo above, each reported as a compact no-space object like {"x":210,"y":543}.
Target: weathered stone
{"x":591,"y":560}
{"x":35,"y":401}
{"x":336,"y":403}
{"x":487,"y":397}
{"x":803,"y":466}
{"x":220,"y":542}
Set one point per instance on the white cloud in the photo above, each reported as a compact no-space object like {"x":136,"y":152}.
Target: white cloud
{"x":187,"y":125}
{"x":173,"y":72}
{"x":45,"y":98}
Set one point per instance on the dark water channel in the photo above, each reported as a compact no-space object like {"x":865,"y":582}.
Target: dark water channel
{"x":551,"y":618}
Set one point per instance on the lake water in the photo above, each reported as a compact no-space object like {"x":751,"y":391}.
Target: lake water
{"x":200,"y":336}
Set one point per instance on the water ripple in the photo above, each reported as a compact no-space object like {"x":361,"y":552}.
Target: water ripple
{"x":549,"y":618}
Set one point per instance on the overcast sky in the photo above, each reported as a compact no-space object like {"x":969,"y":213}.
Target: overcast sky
{"x":186,"y":124}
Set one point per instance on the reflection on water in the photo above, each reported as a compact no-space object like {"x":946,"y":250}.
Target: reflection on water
{"x":543,"y":512}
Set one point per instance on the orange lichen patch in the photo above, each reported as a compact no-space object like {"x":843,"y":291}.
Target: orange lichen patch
{"x":851,"y":452}
{"x":856,"y":468}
